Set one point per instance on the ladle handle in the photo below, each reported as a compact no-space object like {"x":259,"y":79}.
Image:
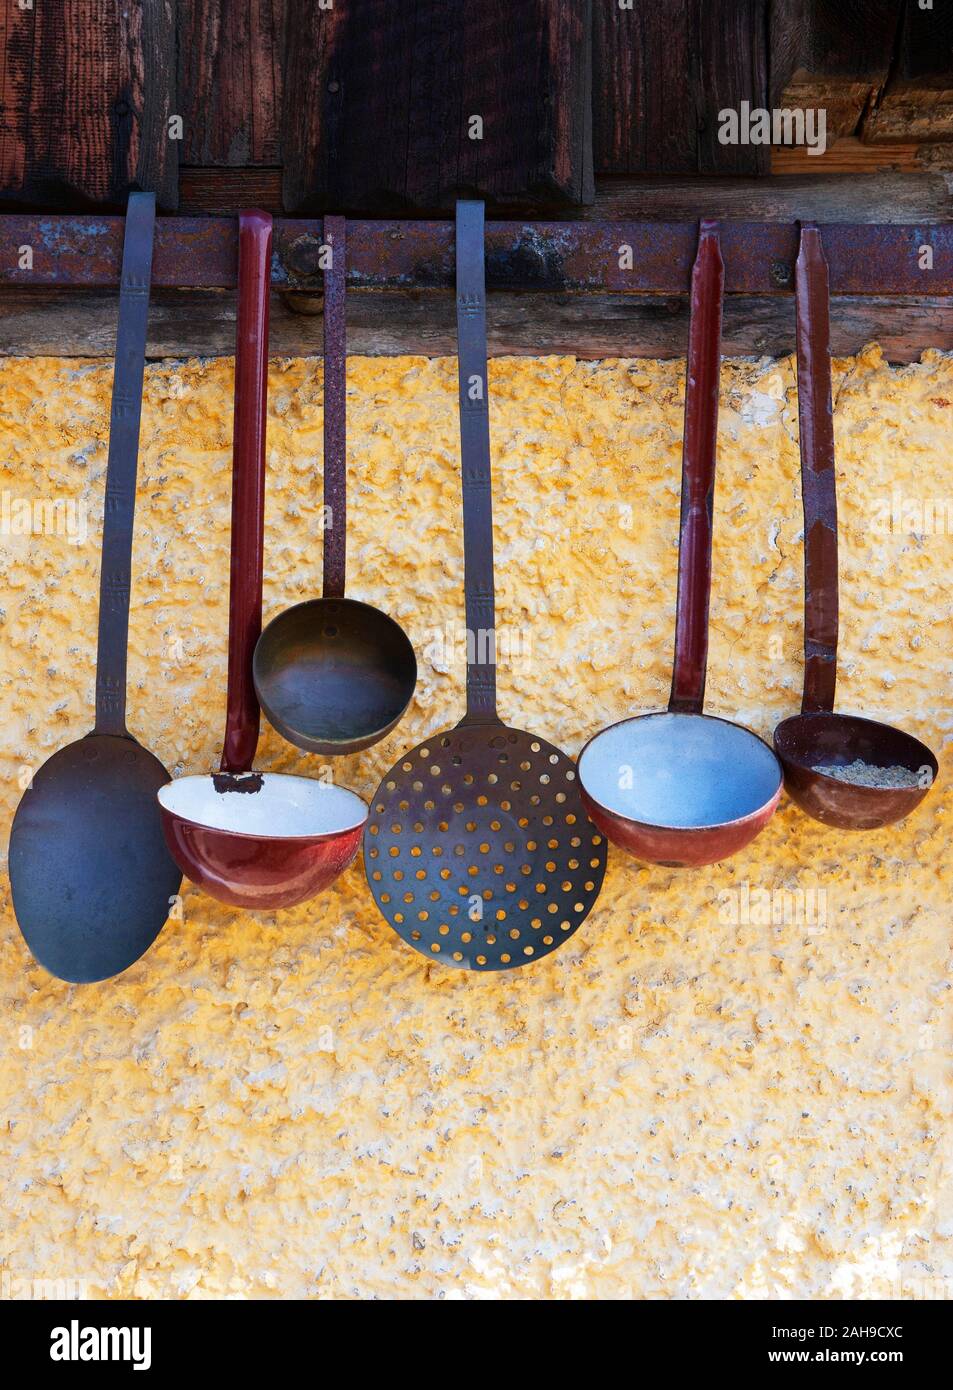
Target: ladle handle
{"x":475,"y":465}
{"x":115,"y":576}
{"x":335,"y":409}
{"x":243,"y":716}
{"x":698,"y":475}
{"x":818,"y":480}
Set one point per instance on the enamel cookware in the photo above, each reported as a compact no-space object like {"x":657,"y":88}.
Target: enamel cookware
{"x":682,"y":787}
{"x":255,"y":839}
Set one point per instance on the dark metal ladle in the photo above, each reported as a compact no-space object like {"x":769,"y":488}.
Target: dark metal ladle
{"x":334,"y":675}
{"x":818,"y":737}
{"x":89,"y":870}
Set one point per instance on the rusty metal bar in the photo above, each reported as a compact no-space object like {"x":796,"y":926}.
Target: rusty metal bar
{"x":85,"y":253}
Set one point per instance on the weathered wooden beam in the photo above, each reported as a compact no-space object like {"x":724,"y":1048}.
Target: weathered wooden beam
{"x":813,"y":195}
{"x":86,"y":91}
{"x":202,"y":323}
{"x":391,"y":107}
{"x":834,"y":54}
{"x":813,"y":189}
{"x":231,"y":63}
{"x":622,"y":257}
{"x":917,"y":103}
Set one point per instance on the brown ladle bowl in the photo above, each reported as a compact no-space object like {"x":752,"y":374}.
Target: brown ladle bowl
{"x":818,"y":737}
{"x":823,"y":739}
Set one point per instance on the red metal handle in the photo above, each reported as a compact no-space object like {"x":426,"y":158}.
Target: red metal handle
{"x":335,"y":409}
{"x":243,"y":716}
{"x":818,"y":485}
{"x":698,"y":475}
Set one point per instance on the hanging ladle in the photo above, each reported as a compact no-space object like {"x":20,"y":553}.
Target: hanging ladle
{"x":260,"y":840}
{"x":91,"y":876}
{"x":478,"y":850}
{"x":846,"y":771}
{"x":334,"y":675}
{"x":682,"y":787}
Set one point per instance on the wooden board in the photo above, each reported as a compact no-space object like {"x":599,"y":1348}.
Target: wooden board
{"x":661,"y":74}
{"x":918,"y":101}
{"x":379,"y":99}
{"x":231,"y":60}
{"x":892,"y":186}
{"x":87,"y":90}
{"x":834,"y":54}
{"x":183,"y":324}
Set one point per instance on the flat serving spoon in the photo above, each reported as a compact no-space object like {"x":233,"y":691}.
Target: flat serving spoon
{"x":89,"y":869}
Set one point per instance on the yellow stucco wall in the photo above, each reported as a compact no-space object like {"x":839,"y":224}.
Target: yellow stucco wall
{"x":672,"y":1104}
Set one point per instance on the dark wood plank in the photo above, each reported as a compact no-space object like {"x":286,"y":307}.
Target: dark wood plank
{"x":918,"y":101}
{"x":223,"y":190}
{"x":661,"y":74}
{"x":644,"y":117}
{"x":730,"y":67}
{"x":379,"y":96}
{"x":907,"y":196}
{"x":834,"y":54}
{"x":231,"y":57}
{"x":88,"y":87}
{"x":381,"y":324}
{"x":882,"y":197}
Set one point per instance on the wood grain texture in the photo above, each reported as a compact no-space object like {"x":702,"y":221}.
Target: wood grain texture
{"x":885,"y":197}
{"x":644,"y":117}
{"x":834,"y":54}
{"x":904,"y":193}
{"x":231,"y":62}
{"x":191,"y":323}
{"x":918,"y":101}
{"x":88,"y":86}
{"x":379,"y":96}
{"x":731,"y":66}
{"x":661,"y":74}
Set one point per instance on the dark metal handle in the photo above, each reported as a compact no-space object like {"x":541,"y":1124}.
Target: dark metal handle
{"x":243,"y":716}
{"x":115,"y":577}
{"x":818,"y":480}
{"x":335,"y":409}
{"x":698,"y":475}
{"x":475,"y":464}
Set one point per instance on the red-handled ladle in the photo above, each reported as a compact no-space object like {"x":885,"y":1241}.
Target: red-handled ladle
{"x":854,"y":773}
{"x":260,"y":840}
{"x":681,"y":787}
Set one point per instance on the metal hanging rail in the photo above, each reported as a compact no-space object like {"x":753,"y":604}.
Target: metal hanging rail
{"x":85,"y":253}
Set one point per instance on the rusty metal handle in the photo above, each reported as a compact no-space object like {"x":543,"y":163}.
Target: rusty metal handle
{"x":818,"y":480}
{"x":243,"y":717}
{"x":698,"y":475}
{"x":335,"y":409}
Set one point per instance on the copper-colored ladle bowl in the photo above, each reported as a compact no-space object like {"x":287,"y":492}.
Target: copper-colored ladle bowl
{"x":817,"y":737}
{"x":681,"y":787}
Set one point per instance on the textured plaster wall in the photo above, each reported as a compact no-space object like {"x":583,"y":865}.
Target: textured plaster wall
{"x":672,"y":1105}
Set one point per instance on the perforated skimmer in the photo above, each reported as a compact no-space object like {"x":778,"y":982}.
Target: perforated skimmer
{"x":478,"y":849}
